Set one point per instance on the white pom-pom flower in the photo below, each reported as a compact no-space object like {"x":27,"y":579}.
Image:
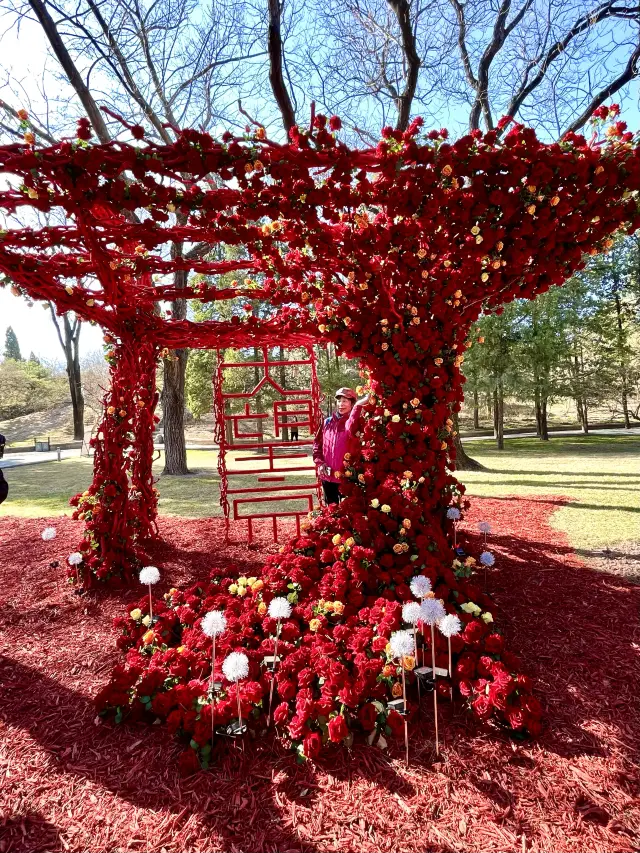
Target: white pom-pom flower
{"x":402,"y":644}
{"x":75,"y":559}
{"x":214,"y":623}
{"x":453,"y":513}
{"x":484,"y":527}
{"x":149,"y":575}
{"x":411,"y":612}
{"x":235,"y":666}
{"x":420,"y":586}
{"x":450,"y":625}
{"x":48,"y":534}
{"x":487,"y":558}
{"x":279,"y":608}
{"x":431,"y":611}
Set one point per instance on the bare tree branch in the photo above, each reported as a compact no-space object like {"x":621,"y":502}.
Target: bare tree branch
{"x":629,"y":73}
{"x":402,"y":12}
{"x":276,"y":77}
{"x":91,"y":108}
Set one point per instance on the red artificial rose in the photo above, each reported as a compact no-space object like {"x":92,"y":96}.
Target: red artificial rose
{"x":281,"y":714}
{"x":396,"y":723}
{"x":188,"y":762}
{"x":312,"y":745}
{"x":338,"y":729}
{"x":368,"y":715}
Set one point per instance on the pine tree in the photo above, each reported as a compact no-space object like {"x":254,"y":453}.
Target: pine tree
{"x":11,"y":345}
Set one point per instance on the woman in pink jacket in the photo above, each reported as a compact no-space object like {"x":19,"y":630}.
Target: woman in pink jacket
{"x":330,"y":443}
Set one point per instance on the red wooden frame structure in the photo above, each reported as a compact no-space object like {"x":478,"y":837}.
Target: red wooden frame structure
{"x":301,"y":404}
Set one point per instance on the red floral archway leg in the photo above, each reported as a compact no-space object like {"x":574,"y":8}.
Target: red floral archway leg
{"x":120,"y":506}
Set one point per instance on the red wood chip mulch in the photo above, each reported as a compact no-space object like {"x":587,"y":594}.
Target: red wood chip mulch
{"x":70,"y":783}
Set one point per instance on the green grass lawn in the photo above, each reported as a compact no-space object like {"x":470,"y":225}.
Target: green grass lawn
{"x":600,"y":473}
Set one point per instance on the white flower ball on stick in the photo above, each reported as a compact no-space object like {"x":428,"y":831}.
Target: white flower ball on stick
{"x":49,"y":533}
{"x":401,"y":643}
{"x":484,"y":527}
{"x":214,"y":623}
{"x":411,"y":612}
{"x":149,"y":575}
{"x":450,"y":625}
{"x":235,"y":666}
{"x":279,"y":608}
{"x":453,"y":513}
{"x":487,"y":558}
{"x":420,"y":586}
{"x":75,"y":559}
{"x":431,"y":611}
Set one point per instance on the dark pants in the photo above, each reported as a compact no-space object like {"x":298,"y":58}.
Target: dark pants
{"x":4,"y":487}
{"x":331,"y":492}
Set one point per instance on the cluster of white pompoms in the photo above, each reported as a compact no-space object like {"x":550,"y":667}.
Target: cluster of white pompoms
{"x":402,"y":644}
{"x":235,"y":666}
{"x":431,"y":611}
{"x":214,"y":623}
{"x":149,"y":575}
{"x":450,"y":625}
{"x":453,"y":513}
{"x":420,"y":586}
{"x":75,"y":559}
{"x":279,"y":608}
{"x":48,"y":533}
{"x":487,"y":558}
{"x":411,"y":612}
{"x":484,"y":527}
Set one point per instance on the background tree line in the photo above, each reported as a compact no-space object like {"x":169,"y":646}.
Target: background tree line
{"x":578,"y":342}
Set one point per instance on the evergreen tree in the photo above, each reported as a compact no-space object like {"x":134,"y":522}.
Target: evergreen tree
{"x":11,"y":345}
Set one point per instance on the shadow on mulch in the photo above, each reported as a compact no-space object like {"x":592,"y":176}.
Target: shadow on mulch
{"x":574,"y":789}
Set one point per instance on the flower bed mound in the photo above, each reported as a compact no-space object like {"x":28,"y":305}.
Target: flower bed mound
{"x":70,"y":784}
{"x":333,"y":611}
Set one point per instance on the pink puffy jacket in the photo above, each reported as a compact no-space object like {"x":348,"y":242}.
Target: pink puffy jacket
{"x":330,"y":443}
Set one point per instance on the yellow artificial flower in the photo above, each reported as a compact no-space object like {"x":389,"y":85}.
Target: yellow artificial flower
{"x":385,"y":508}
{"x":338,"y":608}
{"x":337,"y":539}
{"x":315,"y":625}
{"x":409,"y":663}
{"x":375,"y":503}
{"x":396,"y":690}
{"x":233,"y":589}
{"x":262,"y":608}
{"x":136,"y":614}
{"x":148,"y":638}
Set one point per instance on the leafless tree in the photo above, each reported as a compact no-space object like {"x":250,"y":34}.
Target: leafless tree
{"x":68,"y":327}
{"x":165,"y":65}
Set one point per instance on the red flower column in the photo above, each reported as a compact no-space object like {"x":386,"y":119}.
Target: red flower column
{"x":120,"y":505}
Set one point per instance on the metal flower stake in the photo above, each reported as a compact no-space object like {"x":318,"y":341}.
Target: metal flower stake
{"x":484,"y":527}
{"x":453,"y":513}
{"x":432,"y":610}
{"x":150,"y":575}
{"x":411,"y":615}
{"x":74,"y":560}
{"x":235,"y":668}
{"x":487,"y":559}
{"x":279,"y":609}
{"x":213,"y":624}
{"x":420,"y":586}
{"x":449,"y":626}
{"x":401,"y":643}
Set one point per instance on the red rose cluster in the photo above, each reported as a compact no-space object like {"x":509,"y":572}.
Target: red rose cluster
{"x":391,"y":253}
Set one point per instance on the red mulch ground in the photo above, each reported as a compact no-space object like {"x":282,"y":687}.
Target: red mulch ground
{"x":68,"y":783}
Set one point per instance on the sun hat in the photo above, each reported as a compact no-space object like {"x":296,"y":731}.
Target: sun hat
{"x":346,"y":392}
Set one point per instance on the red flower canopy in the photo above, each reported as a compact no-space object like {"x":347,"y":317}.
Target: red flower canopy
{"x":391,"y":253}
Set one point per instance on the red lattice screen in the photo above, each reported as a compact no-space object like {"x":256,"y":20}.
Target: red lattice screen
{"x":267,"y":460}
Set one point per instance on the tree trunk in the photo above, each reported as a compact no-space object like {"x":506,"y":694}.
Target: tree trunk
{"x":541,"y":418}
{"x":75,"y":386}
{"x":498,"y":409}
{"x":476,"y":411}
{"x":175,"y":447}
{"x":463,"y":462}
{"x":623,"y":366}
{"x":283,"y":384}
{"x":585,"y":418}
{"x":489,"y":406}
